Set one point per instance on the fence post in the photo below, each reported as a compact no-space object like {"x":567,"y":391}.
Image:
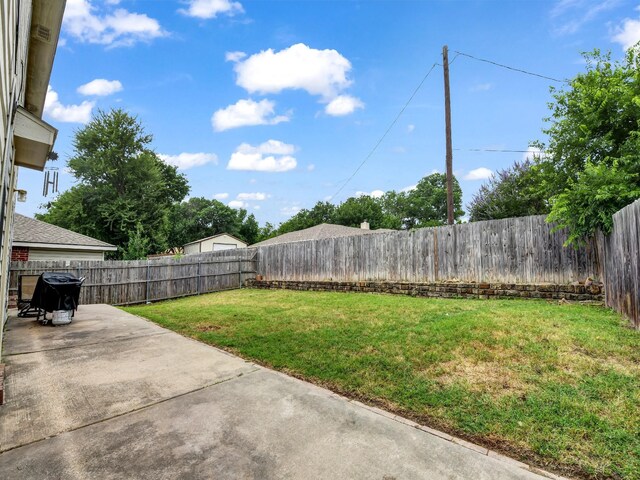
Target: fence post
{"x":148,"y":284}
{"x":239,"y":271}
{"x":198,"y":278}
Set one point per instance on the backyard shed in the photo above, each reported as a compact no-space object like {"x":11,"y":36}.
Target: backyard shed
{"x":222,"y":241}
{"x":37,"y":240}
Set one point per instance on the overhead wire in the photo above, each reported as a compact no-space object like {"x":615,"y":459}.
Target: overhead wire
{"x":498,"y":150}
{"x":509,"y":68}
{"x":395,"y":120}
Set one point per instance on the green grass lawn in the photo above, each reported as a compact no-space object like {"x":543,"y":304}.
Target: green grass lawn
{"x":555,"y":385}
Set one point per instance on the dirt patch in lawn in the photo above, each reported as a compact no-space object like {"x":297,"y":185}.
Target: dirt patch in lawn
{"x":206,"y":327}
{"x":483,"y":377}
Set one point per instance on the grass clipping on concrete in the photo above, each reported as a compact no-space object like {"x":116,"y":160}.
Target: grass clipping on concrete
{"x":554,"y":385}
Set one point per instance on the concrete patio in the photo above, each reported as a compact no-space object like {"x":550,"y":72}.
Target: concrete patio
{"x":115,"y":396}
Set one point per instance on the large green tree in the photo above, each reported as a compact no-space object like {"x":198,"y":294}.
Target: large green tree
{"x":512,"y":192}
{"x":591,"y":167}
{"x":355,"y":210}
{"x":322,"y":212}
{"x":426,"y":205}
{"x":200,"y":218}
{"x":124,"y":191}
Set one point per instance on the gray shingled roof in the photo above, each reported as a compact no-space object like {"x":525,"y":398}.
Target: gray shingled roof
{"x":30,"y":230}
{"x":324,"y":230}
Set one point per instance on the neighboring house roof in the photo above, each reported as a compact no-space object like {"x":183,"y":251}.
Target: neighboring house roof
{"x":29,"y":232}
{"x":324,"y":230}
{"x":215,"y":236}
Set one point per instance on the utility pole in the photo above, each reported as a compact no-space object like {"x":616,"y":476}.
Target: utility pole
{"x":447,"y":120}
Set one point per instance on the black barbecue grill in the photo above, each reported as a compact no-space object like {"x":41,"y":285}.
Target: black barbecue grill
{"x":56,"y":291}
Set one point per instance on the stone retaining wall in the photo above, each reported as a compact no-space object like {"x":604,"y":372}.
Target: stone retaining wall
{"x":571,"y":292}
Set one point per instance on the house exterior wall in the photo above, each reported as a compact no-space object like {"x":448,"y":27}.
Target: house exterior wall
{"x":26,"y":59}
{"x":192,"y":248}
{"x":20,"y":254}
{"x":15,"y":22}
{"x":41,"y":254}
{"x":221,"y":242}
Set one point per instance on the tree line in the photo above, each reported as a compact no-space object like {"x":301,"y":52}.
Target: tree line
{"x":587,"y":170}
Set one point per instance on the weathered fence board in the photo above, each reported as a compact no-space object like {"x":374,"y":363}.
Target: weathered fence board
{"x":514,"y":250}
{"x":621,"y":268}
{"x":139,"y":281}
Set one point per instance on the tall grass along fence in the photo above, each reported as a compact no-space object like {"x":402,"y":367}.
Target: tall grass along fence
{"x":621,"y":266}
{"x":140,"y":281}
{"x":514,"y":250}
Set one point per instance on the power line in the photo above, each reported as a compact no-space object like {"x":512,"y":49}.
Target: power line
{"x":496,"y":150}
{"x":510,"y":68}
{"x":395,"y":120}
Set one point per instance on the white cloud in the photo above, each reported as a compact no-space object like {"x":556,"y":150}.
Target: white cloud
{"x":100,"y":87}
{"x":481,"y":173}
{"x":271,"y":156}
{"x":66,"y":113}
{"x":532,"y":153}
{"x":238,"y":204}
{"x":481,"y":87}
{"x":571,"y":15}
{"x":185,"y":161}
{"x":410,"y":128}
{"x":319,"y":72}
{"x":373,"y":194}
{"x":343,"y":105}
{"x":211,"y":8}
{"x":247,"y":113}
{"x":220,"y":196}
{"x":311,"y":167}
{"x":627,"y":34}
{"x":252,"y":196}
{"x":234,"y":56}
{"x":114,"y":28}
{"x":277,"y":147}
{"x":290,"y":211}
{"x":256,"y":207}
{"x":409,"y":188}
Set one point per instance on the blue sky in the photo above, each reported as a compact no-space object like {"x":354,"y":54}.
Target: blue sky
{"x":272,"y":105}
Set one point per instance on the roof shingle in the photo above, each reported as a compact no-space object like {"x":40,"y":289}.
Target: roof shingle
{"x":324,"y":230}
{"x":30,"y":230}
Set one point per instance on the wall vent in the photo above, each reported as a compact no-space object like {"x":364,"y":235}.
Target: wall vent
{"x":41,"y":33}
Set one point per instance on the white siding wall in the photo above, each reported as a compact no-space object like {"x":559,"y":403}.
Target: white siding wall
{"x":15,"y":21}
{"x":222,"y":242}
{"x":192,"y":248}
{"x":38,"y":254}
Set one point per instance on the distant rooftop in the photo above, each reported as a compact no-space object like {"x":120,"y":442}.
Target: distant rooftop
{"x":324,"y":230}
{"x":35,"y":232}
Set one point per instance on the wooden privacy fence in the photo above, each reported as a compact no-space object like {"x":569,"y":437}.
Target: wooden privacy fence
{"x":514,"y":250}
{"x":621,"y":265}
{"x":140,"y":281}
